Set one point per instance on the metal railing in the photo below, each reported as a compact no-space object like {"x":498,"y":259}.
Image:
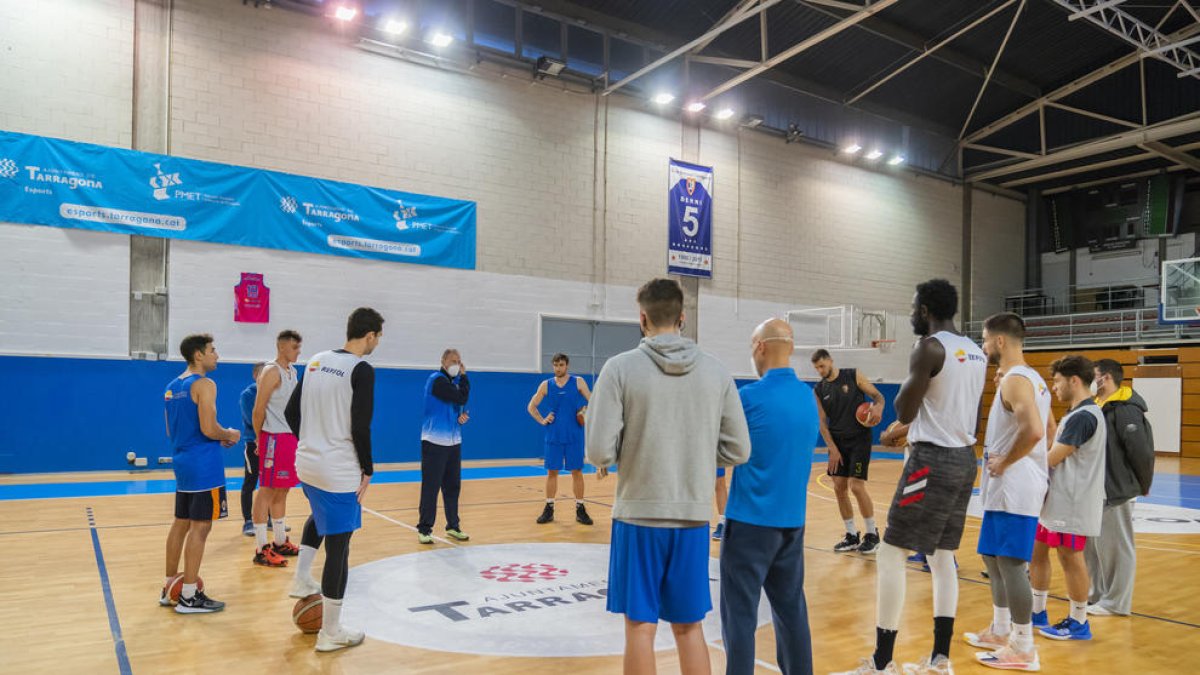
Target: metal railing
{"x":1130,"y":294}
{"x":1130,"y":326}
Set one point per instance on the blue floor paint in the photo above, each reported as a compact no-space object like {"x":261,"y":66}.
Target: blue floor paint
{"x":1168,"y":489}
{"x":114,"y":623}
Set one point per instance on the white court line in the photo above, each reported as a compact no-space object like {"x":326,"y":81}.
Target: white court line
{"x":769,"y":666}
{"x":393,"y":520}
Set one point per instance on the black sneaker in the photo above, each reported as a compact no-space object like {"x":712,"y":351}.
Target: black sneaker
{"x":581,"y":515}
{"x":870,"y":543}
{"x":850,"y":543}
{"x":547,"y":515}
{"x":198,"y":604}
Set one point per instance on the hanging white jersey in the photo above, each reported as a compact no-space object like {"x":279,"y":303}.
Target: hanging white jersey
{"x":950,"y":409}
{"x":1021,"y":489}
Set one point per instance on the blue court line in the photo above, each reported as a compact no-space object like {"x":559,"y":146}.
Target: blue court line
{"x":114,"y":624}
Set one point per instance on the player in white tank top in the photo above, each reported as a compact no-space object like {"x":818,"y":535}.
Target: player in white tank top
{"x":938,"y":407}
{"x":276,"y":383}
{"x":1012,"y":488}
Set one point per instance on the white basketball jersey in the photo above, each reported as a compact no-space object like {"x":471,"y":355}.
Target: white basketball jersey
{"x":275,"y":422}
{"x":1021,"y":489}
{"x":950,"y":409}
{"x":325,"y":456}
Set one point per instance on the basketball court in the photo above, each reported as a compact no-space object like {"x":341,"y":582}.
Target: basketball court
{"x":496,"y":180}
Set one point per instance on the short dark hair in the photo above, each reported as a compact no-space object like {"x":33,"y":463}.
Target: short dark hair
{"x":1007,"y":324}
{"x":1074,"y":366}
{"x":820,"y":354}
{"x":940,"y":297}
{"x":257,"y":369}
{"x":1112,"y":369}
{"x":362,"y":321}
{"x":288,"y":334}
{"x":193,"y":344}
{"x":560,"y":357}
{"x":662,"y":301}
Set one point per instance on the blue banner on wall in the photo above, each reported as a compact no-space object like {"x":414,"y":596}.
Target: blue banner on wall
{"x":689,"y":219}
{"x":46,"y":181}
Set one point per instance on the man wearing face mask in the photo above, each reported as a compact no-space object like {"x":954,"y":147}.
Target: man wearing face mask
{"x":446,"y":394}
{"x":763,"y":548}
{"x":1128,"y":470}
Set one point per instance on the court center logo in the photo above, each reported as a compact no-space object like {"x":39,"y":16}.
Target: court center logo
{"x":8,"y":168}
{"x":534,"y":600}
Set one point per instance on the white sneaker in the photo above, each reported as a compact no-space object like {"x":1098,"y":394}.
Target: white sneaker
{"x":1010,"y":659}
{"x":345,"y":637}
{"x":1099,"y":610}
{"x":304,"y":586}
{"x":866,"y":666}
{"x":939,"y":666}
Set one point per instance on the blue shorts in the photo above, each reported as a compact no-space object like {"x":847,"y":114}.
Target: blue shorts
{"x":659,"y":573}
{"x":1007,"y":535}
{"x":564,"y":456}
{"x":333,"y":512}
{"x":720,"y":472}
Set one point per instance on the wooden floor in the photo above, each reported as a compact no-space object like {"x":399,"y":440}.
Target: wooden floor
{"x":55,"y":618}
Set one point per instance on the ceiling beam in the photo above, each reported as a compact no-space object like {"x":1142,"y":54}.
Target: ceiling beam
{"x":790,"y":52}
{"x":740,"y":7}
{"x":1102,"y":181}
{"x":904,"y":37}
{"x":1127,"y":139}
{"x":1176,"y":155}
{"x":680,"y":51}
{"x":1070,"y":88}
{"x":1150,"y":42}
{"x":991,"y":69}
{"x":1093,"y":9}
{"x":930,"y":51}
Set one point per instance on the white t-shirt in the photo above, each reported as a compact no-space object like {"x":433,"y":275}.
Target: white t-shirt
{"x":950,"y":409}
{"x":1021,"y":489}
{"x":275,"y":422}
{"x":325,"y":455}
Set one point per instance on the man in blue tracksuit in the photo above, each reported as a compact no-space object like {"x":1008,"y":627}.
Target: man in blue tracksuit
{"x":250,"y":479}
{"x":764,"y":529}
{"x":446,"y":393}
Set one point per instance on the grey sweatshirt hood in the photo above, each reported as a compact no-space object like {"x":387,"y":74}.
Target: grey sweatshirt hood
{"x":674,"y":355}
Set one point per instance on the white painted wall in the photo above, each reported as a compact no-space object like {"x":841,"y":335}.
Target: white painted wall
{"x":795,"y":226}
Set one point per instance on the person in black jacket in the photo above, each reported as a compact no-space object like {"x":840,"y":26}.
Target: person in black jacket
{"x":1129,"y":469}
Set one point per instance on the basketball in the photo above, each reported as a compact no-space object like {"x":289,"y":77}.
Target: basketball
{"x":307,"y":613}
{"x":901,"y":441}
{"x":581,"y":415}
{"x":862,"y":414}
{"x":176,"y":586}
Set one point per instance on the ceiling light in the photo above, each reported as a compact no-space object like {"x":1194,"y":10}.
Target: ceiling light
{"x":852,"y":149}
{"x":752,"y":121}
{"x":549,"y":66}
{"x":725,"y":114}
{"x":395,"y":27}
{"x":440,"y":39}
{"x":695,"y":106}
{"x":875,"y":154}
{"x":897,"y":159}
{"x":344,"y":13}
{"x":664,"y":98}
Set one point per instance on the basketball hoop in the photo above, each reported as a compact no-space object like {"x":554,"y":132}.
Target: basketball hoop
{"x":884,"y":346}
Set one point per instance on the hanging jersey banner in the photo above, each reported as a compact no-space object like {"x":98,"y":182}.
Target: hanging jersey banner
{"x":689,"y":219}
{"x":252,"y":300}
{"x":46,"y":181}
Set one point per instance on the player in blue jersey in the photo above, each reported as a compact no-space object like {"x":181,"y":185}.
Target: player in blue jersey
{"x":196,"y":441}
{"x":566,"y":398}
{"x":446,"y":394}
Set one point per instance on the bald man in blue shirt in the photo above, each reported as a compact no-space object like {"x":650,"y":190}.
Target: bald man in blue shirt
{"x":764,"y":531}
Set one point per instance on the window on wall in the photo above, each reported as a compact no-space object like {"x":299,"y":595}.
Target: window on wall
{"x":589,"y":344}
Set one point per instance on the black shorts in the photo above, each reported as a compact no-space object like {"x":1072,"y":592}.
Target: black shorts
{"x":930,"y":505}
{"x":207,"y":505}
{"x":856,"y":457}
{"x":251,"y":458}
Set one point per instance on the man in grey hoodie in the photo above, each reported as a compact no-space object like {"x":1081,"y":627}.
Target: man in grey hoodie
{"x":668,"y":414}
